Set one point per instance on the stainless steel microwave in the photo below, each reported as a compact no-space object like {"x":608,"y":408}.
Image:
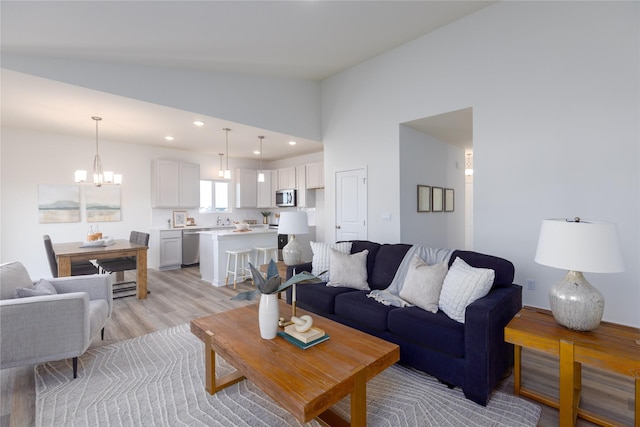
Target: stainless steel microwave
{"x":285,"y":198}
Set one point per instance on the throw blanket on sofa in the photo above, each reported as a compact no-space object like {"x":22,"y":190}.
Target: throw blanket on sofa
{"x":390,"y":296}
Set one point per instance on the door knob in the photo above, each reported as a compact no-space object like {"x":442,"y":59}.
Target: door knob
{"x":338,"y":227}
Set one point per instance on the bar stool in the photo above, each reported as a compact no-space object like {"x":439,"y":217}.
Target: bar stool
{"x":242,"y":255}
{"x":269,"y":252}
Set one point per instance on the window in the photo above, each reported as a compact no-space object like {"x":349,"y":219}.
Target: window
{"x":214,"y":196}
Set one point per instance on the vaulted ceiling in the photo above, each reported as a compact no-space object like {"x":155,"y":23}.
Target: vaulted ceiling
{"x":295,"y":39}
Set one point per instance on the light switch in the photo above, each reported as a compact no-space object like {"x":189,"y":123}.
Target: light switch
{"x":386,"y":216}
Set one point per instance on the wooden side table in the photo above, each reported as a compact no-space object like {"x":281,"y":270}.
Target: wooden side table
{"x":610,"y":347}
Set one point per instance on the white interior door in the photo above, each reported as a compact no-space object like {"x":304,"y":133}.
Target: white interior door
{"x":351,"y":205}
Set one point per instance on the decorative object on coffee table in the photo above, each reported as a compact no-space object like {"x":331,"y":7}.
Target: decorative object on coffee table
{"x":293,"y":223}
{"x":578,"y":245}
{"x":269,"y":288}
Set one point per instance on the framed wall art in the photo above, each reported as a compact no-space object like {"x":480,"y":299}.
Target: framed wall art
{"x":424,"y":198}
{"x":102,"y":204}
{"x":58,"y":203}
{"x":436,"y":199}
{"x":179,"y":219}
{"x":448,"y":199}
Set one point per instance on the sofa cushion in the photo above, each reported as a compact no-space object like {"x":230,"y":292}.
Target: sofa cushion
{"x":423,"y":283}
{"x":372,"y":247}
{"x":43,"y":287}
{"x":463,"y":285}
{"x":504,"y":270}
{"x":358,"y":308}
{"x":319,"y":296}
{"x":348,"y":270}
{"x":13,"y":275}
{"x":386,"y":264}
{"x":321,"y":262}
{"x":432,"y":330}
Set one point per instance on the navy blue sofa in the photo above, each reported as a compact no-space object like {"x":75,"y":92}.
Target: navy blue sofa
{"x":473,"y":355}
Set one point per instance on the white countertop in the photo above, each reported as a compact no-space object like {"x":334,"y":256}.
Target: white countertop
{"x":207,"y":227}
{"x":233,"y":232}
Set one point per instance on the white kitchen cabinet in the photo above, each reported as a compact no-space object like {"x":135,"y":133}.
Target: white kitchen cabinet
{"x":246,"y":188}
{"x":274,"y":187}
{"x":315,"y":175}
{"x":189,"y":185}
{"x":287,"y":178}
{"x":301,"y":187}
{"x":264,"y":191}
{"x":175,"y":184}
{"x":165,"y":247}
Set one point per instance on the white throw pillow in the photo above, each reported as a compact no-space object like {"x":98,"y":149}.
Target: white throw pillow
{"x":348,"y":270}
{"x":463,"y":285}
{"x":423,"y":283}
{"x":321,"y":257}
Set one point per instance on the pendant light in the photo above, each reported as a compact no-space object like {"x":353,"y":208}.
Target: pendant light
{"x":261,"y":173}
{"x":220,"y":170}
{"x":227,"y":171}
{"x":100,"y":176}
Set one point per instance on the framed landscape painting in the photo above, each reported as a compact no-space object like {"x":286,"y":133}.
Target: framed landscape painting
{"x":58,"y":203}
{"x":102,"y":203}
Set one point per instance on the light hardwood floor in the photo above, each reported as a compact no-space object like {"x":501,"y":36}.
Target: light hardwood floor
{"x":177,"y":296}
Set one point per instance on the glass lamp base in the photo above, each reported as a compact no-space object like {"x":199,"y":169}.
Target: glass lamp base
{"x":576,"y":304}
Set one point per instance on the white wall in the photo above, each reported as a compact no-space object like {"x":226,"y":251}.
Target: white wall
{"x":554,"y":88}
{"x":426,"y":160}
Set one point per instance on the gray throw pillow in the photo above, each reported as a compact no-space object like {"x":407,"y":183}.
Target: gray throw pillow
{"x":43,"y":287}
{"x":348,"y":270}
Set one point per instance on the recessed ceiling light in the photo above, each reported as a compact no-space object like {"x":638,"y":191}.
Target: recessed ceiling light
{"x":198,"y":123}
{"x":292,"y":143}
{"x":256,"y":152}
{"x":169,"y":138}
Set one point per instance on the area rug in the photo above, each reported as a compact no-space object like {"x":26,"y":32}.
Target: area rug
{"x":158,"y":380}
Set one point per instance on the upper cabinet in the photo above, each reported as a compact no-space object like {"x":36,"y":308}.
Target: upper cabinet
{"x":287,"y":178}
{"x":264,"y":191}
{"x":175,"y":184}
{"x":246,"y":188}
{"x":302,"y":186}
{"x":315,"y":175}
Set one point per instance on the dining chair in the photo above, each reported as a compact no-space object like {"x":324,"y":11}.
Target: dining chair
{"x":78,"y":268}
{"x":122,"y":264}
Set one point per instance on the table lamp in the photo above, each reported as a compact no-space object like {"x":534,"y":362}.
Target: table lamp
{"x":293,"y":223}
{"x":578,"y":246}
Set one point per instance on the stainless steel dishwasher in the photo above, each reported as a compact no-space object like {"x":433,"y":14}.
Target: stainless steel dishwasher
{"x":191,"y":247}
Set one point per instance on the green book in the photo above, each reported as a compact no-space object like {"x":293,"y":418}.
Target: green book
{"x":301,"y":344}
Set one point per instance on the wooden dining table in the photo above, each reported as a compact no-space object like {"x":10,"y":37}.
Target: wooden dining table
{"x":74,"y":251}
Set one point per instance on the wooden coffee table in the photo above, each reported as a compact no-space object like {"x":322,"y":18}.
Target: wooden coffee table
{"x":307,"y":383}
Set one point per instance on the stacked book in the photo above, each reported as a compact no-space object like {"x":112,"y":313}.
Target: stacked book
{"x":306,"y":339}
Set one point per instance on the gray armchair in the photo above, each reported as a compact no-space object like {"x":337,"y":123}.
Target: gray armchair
{"x":50,"y":327}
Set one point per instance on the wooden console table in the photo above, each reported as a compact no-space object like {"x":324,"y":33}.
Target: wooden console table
{"x":610,"y":347}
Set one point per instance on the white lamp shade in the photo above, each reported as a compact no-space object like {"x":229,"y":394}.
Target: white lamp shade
{"x":293,"y":223}
{"x":81,"y":175}
{"x":586,"y":246}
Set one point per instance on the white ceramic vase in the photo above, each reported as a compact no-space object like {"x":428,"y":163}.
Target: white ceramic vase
{"x":268,"y":316}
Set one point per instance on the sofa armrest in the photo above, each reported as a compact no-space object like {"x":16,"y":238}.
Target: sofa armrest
{"x":299,"y":268}
{"x":98,"y":286}
{"x":487,"y":356}
{"x":43,"y":328}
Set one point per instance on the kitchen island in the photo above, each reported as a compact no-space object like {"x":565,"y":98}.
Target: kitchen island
{"x":215,"y":243}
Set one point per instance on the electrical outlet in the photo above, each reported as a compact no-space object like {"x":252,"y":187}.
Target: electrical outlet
{"x":531,"y":284}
